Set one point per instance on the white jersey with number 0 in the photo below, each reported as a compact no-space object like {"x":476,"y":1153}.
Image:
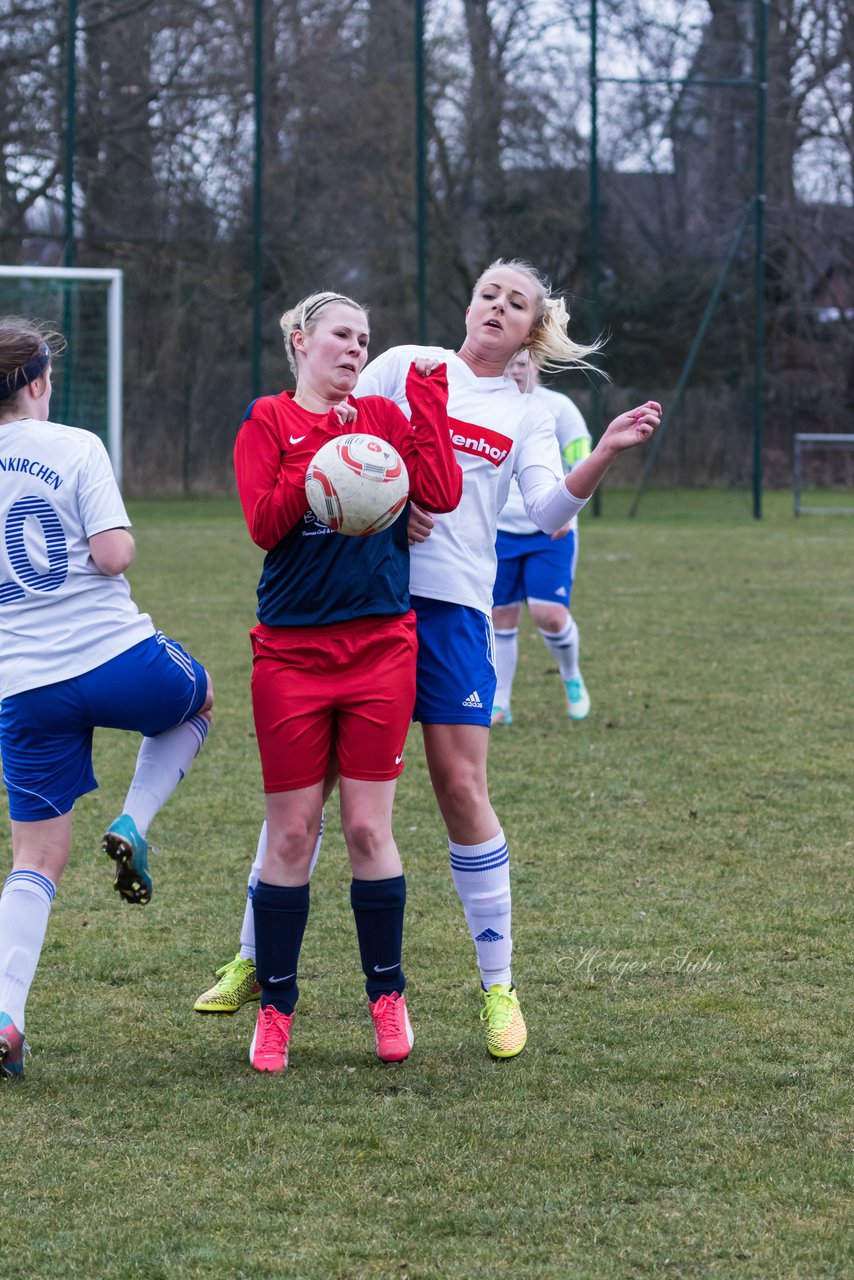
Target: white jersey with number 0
{"x":497,"y":433}
{"x":574,"y":442}
{"x":59,"y":615}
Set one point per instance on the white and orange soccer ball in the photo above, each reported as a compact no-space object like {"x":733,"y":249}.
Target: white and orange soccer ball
{"x":357,"y":484}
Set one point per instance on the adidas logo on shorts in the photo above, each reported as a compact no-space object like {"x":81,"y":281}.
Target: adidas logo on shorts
{"x":473,"y":700}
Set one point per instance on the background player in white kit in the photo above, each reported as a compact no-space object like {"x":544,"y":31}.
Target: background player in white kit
{"x":75,"y":653}
{"x":538,"y":567}
{"x":496,"y":433}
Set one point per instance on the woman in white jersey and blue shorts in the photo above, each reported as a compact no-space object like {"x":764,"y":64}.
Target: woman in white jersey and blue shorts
{"x":539,"y":567}
{"x":497,"y":433}
{"x":75,"y":653}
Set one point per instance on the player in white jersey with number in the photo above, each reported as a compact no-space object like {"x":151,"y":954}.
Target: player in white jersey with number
{"x":497,"y":433}
{"x":75,"y":653}
{"x":539,"y":567}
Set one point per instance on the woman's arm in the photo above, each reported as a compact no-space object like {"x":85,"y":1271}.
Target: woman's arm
{"x":435,"y":478}
{"x":113,"y":550}
{"x":626,"y":431}
{"x":270,"y":480}
{"x":550,"y":505}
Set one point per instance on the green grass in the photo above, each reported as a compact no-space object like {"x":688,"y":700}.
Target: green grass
{"x":682,"y":909}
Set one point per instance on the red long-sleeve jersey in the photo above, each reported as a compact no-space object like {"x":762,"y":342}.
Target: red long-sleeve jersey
{"x":311,"y":575}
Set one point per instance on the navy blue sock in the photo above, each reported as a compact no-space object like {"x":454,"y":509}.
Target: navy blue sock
{"x":280,"y":913}
{"x":378,"y":906}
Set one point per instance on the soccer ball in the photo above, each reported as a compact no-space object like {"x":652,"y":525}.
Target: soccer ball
{"x":357,"y":484}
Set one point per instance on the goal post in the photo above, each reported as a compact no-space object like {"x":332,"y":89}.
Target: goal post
{"x":823,"y":441}
{"x":89,"y":378}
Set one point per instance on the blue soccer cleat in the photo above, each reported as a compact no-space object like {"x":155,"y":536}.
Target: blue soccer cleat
{"x":577,"y":698}
{"x":128,"y":849}
{"x":12,"y":1049}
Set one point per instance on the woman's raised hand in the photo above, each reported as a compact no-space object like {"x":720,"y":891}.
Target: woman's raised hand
{"x":632,"y":428}
{"x":425,"y":365}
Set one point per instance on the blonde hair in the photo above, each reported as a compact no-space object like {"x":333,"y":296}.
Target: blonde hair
{"x":304,"y":317}
{"x":27,"y":348}
{"x":550,"y":347}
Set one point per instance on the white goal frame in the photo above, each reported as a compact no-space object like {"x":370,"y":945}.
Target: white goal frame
{"x":112,"y":278}
{"x":820,"y":440}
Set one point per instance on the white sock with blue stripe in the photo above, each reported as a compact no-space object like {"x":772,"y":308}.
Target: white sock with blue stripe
{"x":563,"y":645}
{"x":482,"y":878}
{"x":161,"y":764}
{"x":24,"y":912}
{"x":247,"y":931}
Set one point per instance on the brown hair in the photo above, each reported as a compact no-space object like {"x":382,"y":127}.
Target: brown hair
{"x":22,"y":343}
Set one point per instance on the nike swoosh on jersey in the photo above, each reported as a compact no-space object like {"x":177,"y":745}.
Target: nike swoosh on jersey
{"x":296,"y":439}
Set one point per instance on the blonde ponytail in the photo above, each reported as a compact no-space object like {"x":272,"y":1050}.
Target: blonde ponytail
{"x":551,"y":347}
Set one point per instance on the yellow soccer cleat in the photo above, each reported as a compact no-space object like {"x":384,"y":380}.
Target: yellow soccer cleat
{"x":506,"y":1031}
{"x":237,"y":986}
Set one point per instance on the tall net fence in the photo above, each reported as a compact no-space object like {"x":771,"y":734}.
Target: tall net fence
{"x":231,"y":159}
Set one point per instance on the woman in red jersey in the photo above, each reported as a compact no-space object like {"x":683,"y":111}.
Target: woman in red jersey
{"x":333,"y":657}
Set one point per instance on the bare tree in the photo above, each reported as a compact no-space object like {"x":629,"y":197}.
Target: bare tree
{"x":165,"y":179}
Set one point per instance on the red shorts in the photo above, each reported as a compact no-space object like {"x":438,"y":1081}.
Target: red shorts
{"x":343,"y":691}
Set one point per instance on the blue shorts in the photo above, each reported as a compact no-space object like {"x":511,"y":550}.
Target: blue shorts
{"x":532,"y":567}
{"x":46,"y":733}
{"x":455,"y":682}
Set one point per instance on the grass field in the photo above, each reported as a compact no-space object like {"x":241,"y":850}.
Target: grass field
{"x":682,"y":910}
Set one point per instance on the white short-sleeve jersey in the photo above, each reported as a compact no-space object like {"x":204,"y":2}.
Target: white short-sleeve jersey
{"x":574,"y":442}
{"x":59,"y":615}
{"x":496,"y":433}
